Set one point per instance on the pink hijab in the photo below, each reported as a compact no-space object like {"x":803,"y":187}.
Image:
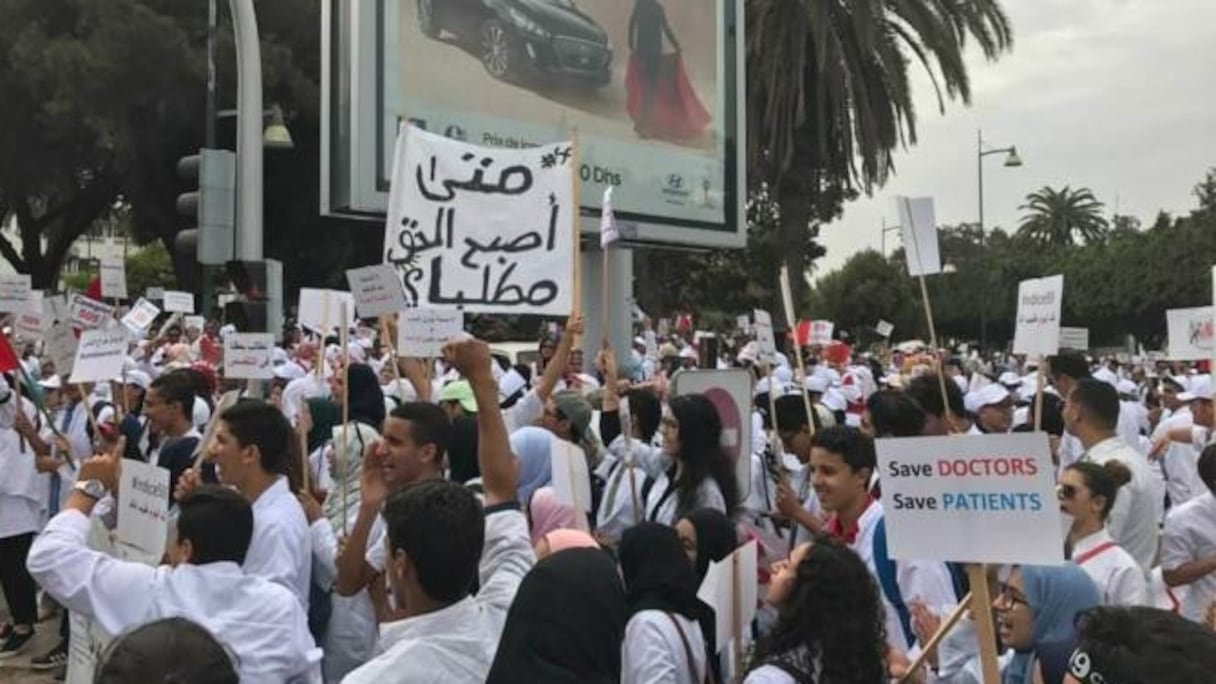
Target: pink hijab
{"x":549,"y":514}
{"x":560,"y":540}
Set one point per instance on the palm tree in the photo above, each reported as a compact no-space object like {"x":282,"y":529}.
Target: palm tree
{"x":1055,"y":217}
{"x":829,"y":96}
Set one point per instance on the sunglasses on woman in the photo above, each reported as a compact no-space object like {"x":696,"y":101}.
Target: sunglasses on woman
{"x":1065,"y":492}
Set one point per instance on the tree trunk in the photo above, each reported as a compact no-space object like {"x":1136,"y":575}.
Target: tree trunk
{"x":796,"y":214}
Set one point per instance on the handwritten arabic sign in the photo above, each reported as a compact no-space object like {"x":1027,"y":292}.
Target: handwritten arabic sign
{"x":480,"y":229}
{"x":143,"y":508}
{"x":100,"y":354}
{"x":377,"y":290}
{"x":321,"y":310}
{"x":1190,"y":333}
{"x":423,"y":332}
{"x":179,"y":301}
{"x":1038,"y":324}
{"x":87,"y":314}
{"x":114,"y":278}
{"x":14,"y":293}
{"x":249,"y":355}
{"x":140,"y":316}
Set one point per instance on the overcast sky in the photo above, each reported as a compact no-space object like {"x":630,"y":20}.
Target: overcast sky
{"x":1115,"y":95}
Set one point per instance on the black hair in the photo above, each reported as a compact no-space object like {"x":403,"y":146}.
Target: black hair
{"x":1103,"y":480}
{"x":701,"y":453}
{"x":853,"y":446}
{"x":646,"y":411}
{"x":177,"y":387}
{"x":218,"y":521}
{"x":1136,"y":644}
{"x":832,"y":627}
{"x":1100,"y":401}
{"x":1053,"y":414}
{"x":167,"y":651}
{"x":895,"y":414}
{"x":202,"y":384}
{"x":364,"y":394}
{"x":1068,"y":365}
{"x":1207,"y":467}
{"x":428,"y":425}
{"x":926,"y":390}
{"x":441,"y":528}
{"x":791,"y":413}
{"x":257,"y":423}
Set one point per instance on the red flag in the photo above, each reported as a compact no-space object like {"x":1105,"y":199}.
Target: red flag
{"x":93,"y":291}
{"x":802,"y":333}
{"x":8,"y":357}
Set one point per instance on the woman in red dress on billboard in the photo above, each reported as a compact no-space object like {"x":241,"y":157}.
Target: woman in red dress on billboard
{"x":660,"y":99}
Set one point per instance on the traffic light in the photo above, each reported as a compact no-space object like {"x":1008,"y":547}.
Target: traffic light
{"x":212,"y":207}
{"x":260,"y":305}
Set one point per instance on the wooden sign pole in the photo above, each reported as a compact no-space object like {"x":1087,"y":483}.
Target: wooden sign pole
{"x":343,"y":455}
{"x":985,"y":632}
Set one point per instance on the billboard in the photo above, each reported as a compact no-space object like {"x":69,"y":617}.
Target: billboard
{"x":653,"y":90}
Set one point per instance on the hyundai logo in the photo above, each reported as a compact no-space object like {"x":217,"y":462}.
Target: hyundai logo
{"x":675,"y":180}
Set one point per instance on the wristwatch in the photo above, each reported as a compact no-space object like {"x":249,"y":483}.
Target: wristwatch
{"x":93,"y":489}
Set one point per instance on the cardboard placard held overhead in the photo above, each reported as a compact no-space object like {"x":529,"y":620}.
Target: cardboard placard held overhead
{"x":1038,"y":322}
{"x":730,"y":391}
{"x":32,"y":322}
{"x":884,"y":329}
{"x":87,"y":314}
{"x":1190,"y":333}
{"x":249,"y":356}
{"x":1074,"y":338}
{"x":155,"y":294}
{"x":100,"y":354}
{"x":976,"y":499}
{"x":480,"y":229}
{"x":423,"y":332}
{"x":114,"y":278}
{"x":61,"y":347}
{"x":321,"y":310}
{"x":143,"y":511}
{"x":141,"y":316}
{"x":14,"y":293}
{"x":918,"y":228}
{"x":730,"y":588}
{"x":179,"y":302}
{"x":821,"y":332}
{"x":377,"y":290}
{"x":571,"y":481}
{"x":765,"y":339}
{"x":743,"y":323}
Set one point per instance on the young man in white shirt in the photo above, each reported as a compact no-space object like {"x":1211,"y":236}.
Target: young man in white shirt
{"x":1188,"y":544}
{"x":259,"y":621}
{"x":1091,"y":414}
{"x":170,"y":437}
{"x":436,"y":534}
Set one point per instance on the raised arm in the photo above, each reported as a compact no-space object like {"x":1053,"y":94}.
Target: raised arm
{"x":498,"y":466}
{"x":557,"y":364}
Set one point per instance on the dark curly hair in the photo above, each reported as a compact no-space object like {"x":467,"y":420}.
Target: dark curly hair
{"x":701,"y":454}
{"x":832,"y":617}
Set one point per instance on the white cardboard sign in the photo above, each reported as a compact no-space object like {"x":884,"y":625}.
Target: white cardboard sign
{"x":61,"y":346}
{"x":483,"y":229}
{"x":1190,"y":333}
{"x":764,"y":336}
{"x":87,"y":314}
{"x":179,"y":302}
{"x":14,"y":292}
{"x":143,"y":508}
{"x":976,"y":499}
{"x":249,"y":356}
{"x":885,"y":328}
{"x":918,"y":228}
{"x":423,"y":332}
{"x":1074,"y":338}
{"x":377,"y":290}
{"x":1038,"y":322}
{"x":100,"y":354}
{"x":321,"y":310}
{"x":114,"y":278}
{"x":571,"y":481}
{"x":730,"y":585}
{"x":141,"y":316}
{"x":31,"y":322}
{"x":821,"y":332}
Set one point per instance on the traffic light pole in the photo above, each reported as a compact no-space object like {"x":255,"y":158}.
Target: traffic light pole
{"x":248,"y":245}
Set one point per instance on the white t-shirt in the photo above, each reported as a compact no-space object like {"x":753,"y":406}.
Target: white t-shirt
{"x":1119,"y":577}
{"x":653,"y":651}
{"x":1133,"y":519}
{"x":1190,"y":535}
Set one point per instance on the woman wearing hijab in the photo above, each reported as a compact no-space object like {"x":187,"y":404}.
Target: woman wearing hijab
{"x":547,"y":513}
{"x":665,"y":638}
{"x":322,"y":416}
{"x":462,"y":450}
{"x":830,"y":627}
{"x":561,"y":540}
{"x":707,"y":535}
{"x":531,"y":446}
{"x":366,"y":412}
{"x":566,"y":623}
{"x":702,"y":475}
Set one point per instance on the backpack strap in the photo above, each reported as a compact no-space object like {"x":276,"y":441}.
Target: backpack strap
{"x":884,"y":567}
{"x":692,"y":661}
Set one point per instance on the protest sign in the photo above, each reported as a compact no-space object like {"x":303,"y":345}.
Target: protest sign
{"x":61,"y":347}
{"x":99,"y":355}
{"x":140,"y":316}
{"x":764,"y":336}
{"x":730,"y":391}
{"x":195,"y":322}
{"x":821,"y":332}
{"x":31,"y":323}
{"x":978,"y":499}
{"x":571,"y":481}
{"x":14,"y":293}
{"x":884,"y":329}
{"x":249,"y":356}
{"x":320,"y":310}
{"x":918,"y":228}
{"x":114,"y":277}
{"x":1190,"y":333}
{"x":143,"y":511}
{"x":483,"y":229}
{"x":376,"y":290}
{"x":1074,"y":338}
{"x":179,"y":302}
{"x":87,"y":641}
{"x":156,"y":294}
{"x":1038,"y":322}
{"x":730,"y":588}
{"x":87,"y":314}
{"x":423,"y":332}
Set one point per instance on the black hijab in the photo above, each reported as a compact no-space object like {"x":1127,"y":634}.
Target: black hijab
{"x":565,"y":624}
{"x":716,"y":537}
{"x":366,"y":397}
{"x":462,"y":449}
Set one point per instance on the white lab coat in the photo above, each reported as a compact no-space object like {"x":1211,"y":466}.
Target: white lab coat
{"x":21,"y":486}
{"x":662,"y":506}
{"x":350,"y":635}
{"x":456,"y":645}
{"x":1190,"y":535}
{"x":1178,"y":462}
{"x":1133,"y":519}
{"x":259,"y":621}
{"x":653,"y":651}
{"x":624,"y":472}
{"x":1119,"y":577}
{"x":281,"y":548}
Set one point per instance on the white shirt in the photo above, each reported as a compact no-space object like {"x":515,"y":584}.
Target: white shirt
{"x":1119,"y":577}
{"x":1133,"y":519}
{"x":1179,"y":462}
{"x":456,"y":645}
{"x":350,"y":635}
{"x":281,"y":548}
{"x":523,"y":412}
{"x":653,"y":651}
{"x":260,"y":622}
{"x":1190,"y":535}
{"x":624,"y":474}
{"x":662,"y":506}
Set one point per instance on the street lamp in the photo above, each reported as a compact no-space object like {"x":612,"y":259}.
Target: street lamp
{"x":1011,"y":160}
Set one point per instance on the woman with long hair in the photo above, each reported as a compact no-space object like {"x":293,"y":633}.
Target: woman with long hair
{"x":1087,"y":493}
{"x":701,"y":474}
{"x":830,"y":625}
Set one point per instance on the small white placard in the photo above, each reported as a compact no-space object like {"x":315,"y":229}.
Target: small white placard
{"x":143,"y":508}
{"x":885,"y":328}
{"x":1038,"y":324}
{"x":423,"y":332}
{"x":100,"y":354}
{"x":918,"y":228}
{"x":87,"y":314}
{"x":730,"y":585}
{"x":377,"y":290}
{"x":178,"y":301}
{"x":141,"y":316}
{"x":114,"y":277}
{"x":14,"y":292}
{"x":764,"y":336}
{"x":249,"y":356}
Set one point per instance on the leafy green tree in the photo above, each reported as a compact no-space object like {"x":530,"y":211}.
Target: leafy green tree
{"x":1060,"y":217}
{"x":150,"y":267}
{"x":869,"y":288}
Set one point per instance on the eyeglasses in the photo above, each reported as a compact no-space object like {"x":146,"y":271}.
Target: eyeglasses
{"x":1010,"y":597}
{"x":1065,"y":492}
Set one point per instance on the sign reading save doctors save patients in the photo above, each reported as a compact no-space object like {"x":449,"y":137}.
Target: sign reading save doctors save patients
{"x":980,"y":499}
